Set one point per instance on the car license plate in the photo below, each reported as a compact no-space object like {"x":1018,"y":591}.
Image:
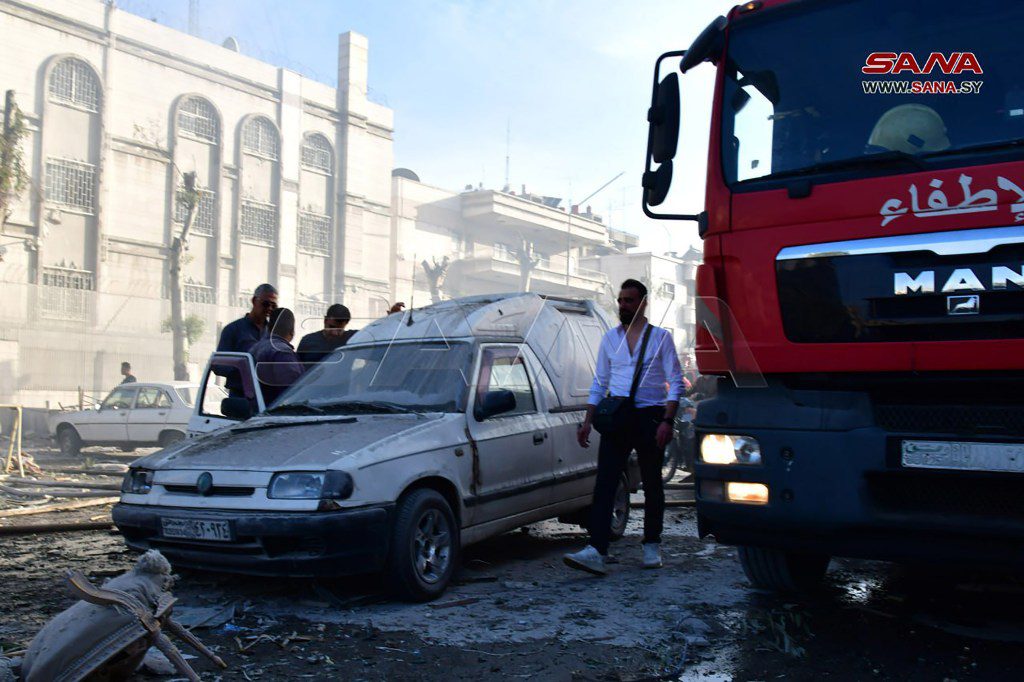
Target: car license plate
{"x":196,"y":529}
{"x":963,"y":456}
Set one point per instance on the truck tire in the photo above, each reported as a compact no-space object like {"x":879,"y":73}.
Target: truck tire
{"x":424,"y":546}
{"x":782,"y":571}
{"x":69,"y":441}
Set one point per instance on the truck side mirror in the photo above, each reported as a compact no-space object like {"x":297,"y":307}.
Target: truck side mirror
{"x":236,"y":408}
{"x":495,"y":403}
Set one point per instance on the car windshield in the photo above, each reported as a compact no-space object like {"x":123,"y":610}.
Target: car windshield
{"x":384,"y":378}
{"x":949,"y":84}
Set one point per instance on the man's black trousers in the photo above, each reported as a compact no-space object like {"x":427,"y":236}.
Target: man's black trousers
{"x":637,"y":432}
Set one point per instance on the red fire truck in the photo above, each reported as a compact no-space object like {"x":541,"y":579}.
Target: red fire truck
{"x":862,"y":291}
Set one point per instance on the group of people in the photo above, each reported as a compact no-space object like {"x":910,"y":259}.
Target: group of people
{"x":266,"y":332}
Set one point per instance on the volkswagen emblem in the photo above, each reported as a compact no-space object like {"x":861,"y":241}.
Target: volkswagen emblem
{"x":205,"y":483}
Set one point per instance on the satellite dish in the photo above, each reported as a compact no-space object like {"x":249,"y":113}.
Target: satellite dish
{"x":231,"y":43}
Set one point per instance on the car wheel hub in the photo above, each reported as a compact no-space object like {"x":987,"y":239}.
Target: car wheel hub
{"x":432,"y":546}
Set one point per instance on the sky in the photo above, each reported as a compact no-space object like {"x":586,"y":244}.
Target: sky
{"x":562,"y":85}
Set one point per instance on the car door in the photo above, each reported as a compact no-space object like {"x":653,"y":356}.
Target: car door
{"x":513,"y":449}
{"x":149,"y":416}
{"x":209,"y":405}
{"x":110,"y":423}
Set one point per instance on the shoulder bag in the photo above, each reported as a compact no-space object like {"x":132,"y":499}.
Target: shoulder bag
{"x":613,"y":411}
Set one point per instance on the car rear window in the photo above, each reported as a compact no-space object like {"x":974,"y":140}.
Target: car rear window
{"x":187,"y":394}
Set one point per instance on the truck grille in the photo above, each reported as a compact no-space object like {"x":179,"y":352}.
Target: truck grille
{"x":949,"y":494}
{"x":953,"y":419}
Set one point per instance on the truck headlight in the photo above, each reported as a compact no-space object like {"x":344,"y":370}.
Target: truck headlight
{"x":716,"y":448}
{"x":310,"y":485}
{"x":137,"y":481}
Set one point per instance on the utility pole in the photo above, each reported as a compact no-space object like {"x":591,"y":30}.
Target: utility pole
{"x":508,"y":137}
{"x":190,"y":197}
{"x":193,"y":17}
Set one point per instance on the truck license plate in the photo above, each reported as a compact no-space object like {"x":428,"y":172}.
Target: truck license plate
{"x":196,"y":529}
{"x":926,"y":454}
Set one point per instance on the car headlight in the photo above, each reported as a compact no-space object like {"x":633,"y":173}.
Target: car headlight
{"x":137,"y":481}
{"x":716,"y":448}
{"x":310,"y":485}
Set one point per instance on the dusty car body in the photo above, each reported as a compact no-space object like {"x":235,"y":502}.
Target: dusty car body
{"x":132,"y":415}
{"x":430,"y":430}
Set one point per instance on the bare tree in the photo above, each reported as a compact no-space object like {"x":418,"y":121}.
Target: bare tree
{"x":528,"y":262}
{"x":436,"y":273}
{"x":189,"y":198}
{"x":13,"y":177}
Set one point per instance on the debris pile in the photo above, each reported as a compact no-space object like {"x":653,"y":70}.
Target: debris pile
{"x":108,"y":633}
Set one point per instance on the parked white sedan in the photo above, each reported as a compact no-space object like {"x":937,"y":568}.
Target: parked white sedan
{"x":132,"y":415}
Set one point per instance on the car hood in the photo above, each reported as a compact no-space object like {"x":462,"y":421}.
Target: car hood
{"x":289,"y":443}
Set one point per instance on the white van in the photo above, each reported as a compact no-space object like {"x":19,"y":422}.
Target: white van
{"x":430,"y":430}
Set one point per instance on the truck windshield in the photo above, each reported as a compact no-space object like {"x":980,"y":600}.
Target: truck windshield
{"x":421,"y":377}
{"x":808,"y":92}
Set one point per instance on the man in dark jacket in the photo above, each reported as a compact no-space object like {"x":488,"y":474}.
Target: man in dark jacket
{"x":277,"y":364}
{"x":240,"y":336}
{"x":317,"y":345}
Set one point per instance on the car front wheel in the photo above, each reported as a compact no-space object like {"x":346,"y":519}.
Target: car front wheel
{"x":69,"y":440}
{"x":424,"y":546}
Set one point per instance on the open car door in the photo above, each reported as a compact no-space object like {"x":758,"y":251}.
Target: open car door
{"x":216,"y":406}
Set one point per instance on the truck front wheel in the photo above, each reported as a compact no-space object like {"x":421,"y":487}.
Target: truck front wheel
{"x":783,"y":571}
{"x":424,"y":546}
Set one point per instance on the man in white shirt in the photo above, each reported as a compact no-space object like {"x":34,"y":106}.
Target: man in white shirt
{"x":645,"y":426}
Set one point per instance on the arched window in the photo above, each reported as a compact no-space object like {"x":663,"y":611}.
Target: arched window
{"x":73,"y":82}
{"x":316,"y":153}
{"x":260,"y":138}
{"x":198,"y":119}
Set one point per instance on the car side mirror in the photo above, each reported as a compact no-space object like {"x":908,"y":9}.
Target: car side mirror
{"x":495,"y":403}
{"x":236,"y":408}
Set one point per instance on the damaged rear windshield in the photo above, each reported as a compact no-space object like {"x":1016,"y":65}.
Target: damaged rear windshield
{"x":421,"y":377}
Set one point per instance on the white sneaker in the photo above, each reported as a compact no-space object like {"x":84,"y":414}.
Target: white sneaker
{"x":652,"y":555}
{"x":587,"y":559}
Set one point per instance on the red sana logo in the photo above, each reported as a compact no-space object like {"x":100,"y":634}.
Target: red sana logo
{"x":952,"y":64}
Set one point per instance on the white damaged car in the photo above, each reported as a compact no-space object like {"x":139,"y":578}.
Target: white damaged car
{"x":430,"y":430}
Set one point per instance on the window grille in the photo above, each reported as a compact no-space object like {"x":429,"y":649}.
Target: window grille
{"x":314,"y":232}
{"x":63,"y":295}
{"x":259,"y":222}
{"x":73,"y":82}
{"x":197,"y":119}
{"x":316,"y":153}
{"x":199,"y":293}
{"x":260,"y":138}
{"x":204,"y":223}
{"x":71,"y":183}
{"x":668,"y":289}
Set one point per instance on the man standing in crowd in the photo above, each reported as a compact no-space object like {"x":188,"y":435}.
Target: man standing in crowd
{"x":277,"y":364}
{"x":636,"y":360}
{"x":317,"y":345}
{"x":126,"y":372}
{"x":240,"y":336}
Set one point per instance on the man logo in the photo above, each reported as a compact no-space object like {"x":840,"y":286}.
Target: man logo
{"x":204,"y":486}
{"x":963,"y":305}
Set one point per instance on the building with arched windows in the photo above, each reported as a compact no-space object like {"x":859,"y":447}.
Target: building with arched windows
{"x":296,"y":189}
{"x":295,"y":180}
